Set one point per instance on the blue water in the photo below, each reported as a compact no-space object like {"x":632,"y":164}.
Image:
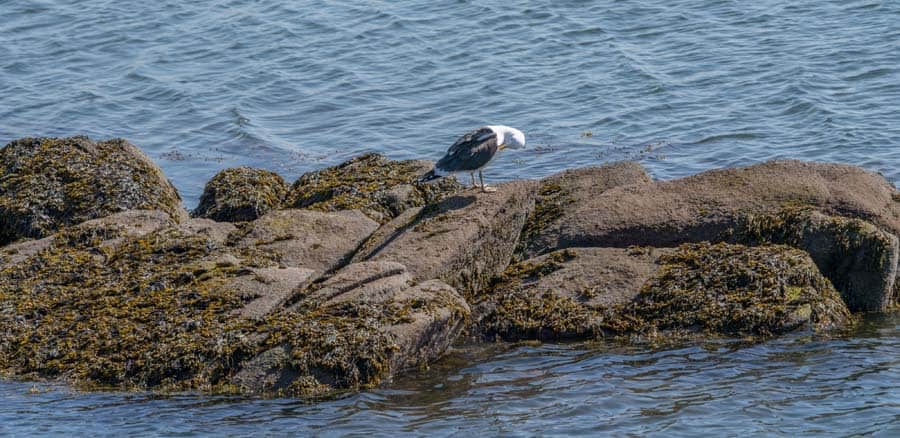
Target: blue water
{"x":292,"y":86}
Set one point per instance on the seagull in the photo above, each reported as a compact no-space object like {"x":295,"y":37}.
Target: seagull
{"x":474,"y":151}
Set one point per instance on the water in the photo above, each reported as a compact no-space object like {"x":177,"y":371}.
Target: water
{"x":796,"y":385}
{"x":682,"y":86}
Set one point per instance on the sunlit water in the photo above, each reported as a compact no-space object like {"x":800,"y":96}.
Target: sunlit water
{"x":292,"y":86}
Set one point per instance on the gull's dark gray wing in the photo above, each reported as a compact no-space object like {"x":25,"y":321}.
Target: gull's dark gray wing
{"x":472,"y":151}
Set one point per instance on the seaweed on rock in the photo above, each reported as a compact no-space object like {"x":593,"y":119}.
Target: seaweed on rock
{"x":379,"y":187}
{"x":737,"y":290}
{"x":241,"y":194}
{"x":50,"y":183}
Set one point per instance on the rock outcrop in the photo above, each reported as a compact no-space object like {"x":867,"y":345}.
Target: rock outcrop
{"x":188,"y":306}
{"x":358,"y":272}
{"x":241,"y":194}
{"x":704,"y":206}
{"x":50,"y":183}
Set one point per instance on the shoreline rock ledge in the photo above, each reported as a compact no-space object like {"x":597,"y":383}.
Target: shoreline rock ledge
{"x":356,"y":273}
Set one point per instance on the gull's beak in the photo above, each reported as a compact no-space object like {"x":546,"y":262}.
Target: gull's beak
{"x":501,"y":147}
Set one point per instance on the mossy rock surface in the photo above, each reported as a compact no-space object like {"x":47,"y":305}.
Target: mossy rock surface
{"x":241,"y":194}
{"x":737,"y":290}
{"x":720,"y":290}
{"x":379,"y":187}
{"x":182,"y":308}
{"x":50,"y":183}
{"x":858,"y":258}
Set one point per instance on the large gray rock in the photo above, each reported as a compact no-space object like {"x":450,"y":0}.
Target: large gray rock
{"x":719,"y":289}
{"x":704,"y":206}
{"x":50,"y":183}
{"x":463,"y":240}
{"x":307,"y":239}
{"x":567,"y":196}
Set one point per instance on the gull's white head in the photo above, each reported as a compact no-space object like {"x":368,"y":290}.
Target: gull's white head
{"x":508,"y":137}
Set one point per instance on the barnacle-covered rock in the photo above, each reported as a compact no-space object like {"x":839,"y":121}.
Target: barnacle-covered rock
{"x":737,"y":290}
{"x":379,"y":187}
{"x":241,"y":194}
{"x":50,"y":183}
{"x":857,"y":257}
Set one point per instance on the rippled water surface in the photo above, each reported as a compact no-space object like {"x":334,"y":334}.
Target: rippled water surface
{"x":293,"y":86}
{"x":796,"y":385}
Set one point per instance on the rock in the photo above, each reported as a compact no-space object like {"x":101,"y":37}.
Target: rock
{"x":355,"y":329}
{"x":131,"y":223}
{"x":575,"y":293}
{"x":216,"y":233}
{"x":719,"y":289}
{"x":857,"y":257}
{"x":463,"y":240}
{"x":562,"y":197}
{"x":737,"y":290}
{"x":267,"y":289}
{"x":241,"y":194}
{"x":50,"y":183}
{"x":307,"y":239}
{"x":704,"y":206}
{"x":144,"y":311}
{"x":379,"y":187}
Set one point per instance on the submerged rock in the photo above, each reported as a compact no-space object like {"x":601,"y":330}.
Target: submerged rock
{"x":50,"y":183}
{"x":241,"y":194}
{"x":717,"y":289}
{"x":379,"y":187}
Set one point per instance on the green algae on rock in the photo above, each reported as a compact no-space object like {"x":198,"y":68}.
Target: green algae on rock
{"x":737,"y":290}
{"x":241,"y":194}
{"x":50,"y":183}
{"x":379,"y":187}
